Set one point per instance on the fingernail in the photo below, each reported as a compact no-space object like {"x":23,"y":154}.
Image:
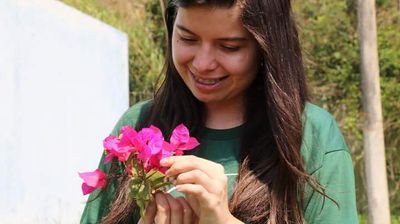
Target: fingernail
{"x":164,"y":162}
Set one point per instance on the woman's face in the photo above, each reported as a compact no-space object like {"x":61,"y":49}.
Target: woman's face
{"x":214,"y":54}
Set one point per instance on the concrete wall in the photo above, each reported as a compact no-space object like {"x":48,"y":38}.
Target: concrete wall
{"x":63,"y":85}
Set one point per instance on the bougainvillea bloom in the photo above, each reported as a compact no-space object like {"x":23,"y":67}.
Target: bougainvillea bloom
{"x":139,"y":154}
{"x":117,"y":148}
{"x":93,"y":180}
{"x":181,"y":140}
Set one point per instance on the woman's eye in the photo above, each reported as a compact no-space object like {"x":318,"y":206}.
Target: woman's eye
{"x":230,"y":48}
{"x":188,"y":40}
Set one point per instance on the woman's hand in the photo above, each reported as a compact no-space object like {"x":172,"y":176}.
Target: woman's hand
{"x":205,"y":185}
{"x":168,"y":210}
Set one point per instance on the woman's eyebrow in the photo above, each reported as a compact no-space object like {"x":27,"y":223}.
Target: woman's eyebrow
{"x":236,"y":39}
{"x":185,"y":29}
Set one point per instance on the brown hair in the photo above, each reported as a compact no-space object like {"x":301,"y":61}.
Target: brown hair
{"x":271,"y":180}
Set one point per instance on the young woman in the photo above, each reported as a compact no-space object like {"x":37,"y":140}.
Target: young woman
{"x":234,"y":76}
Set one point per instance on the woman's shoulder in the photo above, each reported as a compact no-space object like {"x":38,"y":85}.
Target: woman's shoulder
{"x":316,"y":116}
{"x":318,"y":121}
{"x":133,"y":115}
{"x":321,"y":136}
{"x":137,"y":109}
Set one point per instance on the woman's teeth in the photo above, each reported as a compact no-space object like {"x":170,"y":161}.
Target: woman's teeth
{"x":207,"y":81}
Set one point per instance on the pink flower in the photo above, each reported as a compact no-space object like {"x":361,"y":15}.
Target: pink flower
{"x":123,"y":146}
{"x":128,"y":136}
{"x":153,"y":161}
{"x":151,"y":158}
{"x":149,"y":133}
{"x":93,"y":180}
{"x":114,"y":147}
{"x":181,"y":139}
{"x":138,"y":151}
{"x":151,"y":142}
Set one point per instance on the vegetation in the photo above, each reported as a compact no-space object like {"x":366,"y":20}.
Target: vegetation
{"x":145,"y":33}
{"x":329,"y":36}
{"x":328,"y":32}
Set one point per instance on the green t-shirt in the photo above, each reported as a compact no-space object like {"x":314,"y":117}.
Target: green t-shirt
{"x":324,"y":151}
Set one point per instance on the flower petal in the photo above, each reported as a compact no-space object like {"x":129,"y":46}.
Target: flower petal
{"x":86,"y":189}
{"x":94,"y":179}
{"x":111,"y":142}
{"x":191,"y":144}
{"x":155,"y":145}
{"x":129,"y":136}
{"x":109,"y":157}
{"x":180,"y":135}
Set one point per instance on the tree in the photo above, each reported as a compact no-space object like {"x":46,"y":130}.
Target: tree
{"x":373,"y":139}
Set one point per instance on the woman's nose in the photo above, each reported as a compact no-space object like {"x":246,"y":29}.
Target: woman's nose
{"x":204,"y":59}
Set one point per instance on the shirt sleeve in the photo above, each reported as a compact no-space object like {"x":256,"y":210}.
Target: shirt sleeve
{"x":336,"y":175}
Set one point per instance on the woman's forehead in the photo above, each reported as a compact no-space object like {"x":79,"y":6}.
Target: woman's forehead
{"x":203,"y":20}
{"x":211,"y":3}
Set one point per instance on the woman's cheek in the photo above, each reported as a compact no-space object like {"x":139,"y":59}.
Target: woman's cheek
{"x":181,"y":53}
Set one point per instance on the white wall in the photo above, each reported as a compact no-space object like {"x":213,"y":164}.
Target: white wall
{"x":63,"y":85}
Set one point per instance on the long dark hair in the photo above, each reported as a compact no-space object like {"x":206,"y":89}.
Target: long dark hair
{"x":271,"y":180}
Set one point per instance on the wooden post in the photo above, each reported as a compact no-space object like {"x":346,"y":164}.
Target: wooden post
{"x":373,"y":140}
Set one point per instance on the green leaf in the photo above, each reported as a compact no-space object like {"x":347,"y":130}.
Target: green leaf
{"x":158,"y":181}
{"x":137,"y":189}
{"x":142,"y":204}
{"x":154,"y":175}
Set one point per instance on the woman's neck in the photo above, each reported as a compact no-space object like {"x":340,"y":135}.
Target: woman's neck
{"x":224,"y":116}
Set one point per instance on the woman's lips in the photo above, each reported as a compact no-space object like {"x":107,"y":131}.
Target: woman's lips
{"x":210,"y":81}
{"x":206,"y":81}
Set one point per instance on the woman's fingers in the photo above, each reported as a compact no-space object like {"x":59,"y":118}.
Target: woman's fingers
{"x":188,"y":214}
{"x":163,"y":209}
{"x":198,"y":191}
{"x":175,"y":210}
{"x":167,"y":210}
{"x":204,"y":182}
{"x":149,"y":215}
{"x":197,"y":177}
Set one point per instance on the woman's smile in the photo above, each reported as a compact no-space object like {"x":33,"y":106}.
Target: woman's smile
{"x":208,"y":83}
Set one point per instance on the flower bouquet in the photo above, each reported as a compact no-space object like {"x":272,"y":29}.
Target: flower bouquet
{"x":139,"y":154}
